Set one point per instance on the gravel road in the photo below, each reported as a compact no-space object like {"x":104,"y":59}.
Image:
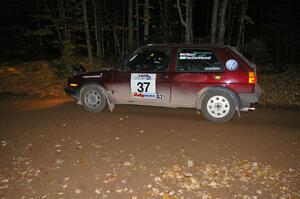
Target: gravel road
{"x":52,"y":148}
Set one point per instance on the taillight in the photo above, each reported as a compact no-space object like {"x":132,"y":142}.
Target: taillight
{"x":252,"y":78}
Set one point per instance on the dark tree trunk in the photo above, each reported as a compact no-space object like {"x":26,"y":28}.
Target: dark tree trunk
{"x":112,"y":24}
{"x":292,"y":35}
{"x":87,"y":32}
{"x":97,"y":28}
{"x":240,"y":42}
{"x":39,"y":23}
{"x":137,"y":23}
{"x":277,"y":52}
{"x":123,"y":31}
{"x":62,"y":16}
{"x":165,"y":17}
{"x":222,"y":17}
{"x":101,"y":28}
{"x":214,"y":23}
{"x":188,"y":23}
{"x":146,"y":21}
{"x":230,"y":21}
{"x":56,"y":26}
{"x":130,"y":24}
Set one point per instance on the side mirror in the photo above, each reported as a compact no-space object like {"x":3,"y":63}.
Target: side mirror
{"x":78,"y":70}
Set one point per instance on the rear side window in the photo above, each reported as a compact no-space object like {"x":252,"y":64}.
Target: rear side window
{"x":197,"y":60}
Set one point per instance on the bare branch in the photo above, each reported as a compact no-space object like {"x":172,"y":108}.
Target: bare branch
{"x":180,"y":14}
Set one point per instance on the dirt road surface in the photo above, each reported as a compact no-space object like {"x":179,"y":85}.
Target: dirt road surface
{"x":52,"y":148}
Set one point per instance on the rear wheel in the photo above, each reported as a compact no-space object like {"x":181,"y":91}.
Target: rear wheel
{"x":93,"y":98}
{"x":218,"y":106}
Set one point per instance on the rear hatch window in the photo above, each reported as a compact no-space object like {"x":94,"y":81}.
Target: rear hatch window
{"x":252,"y":65}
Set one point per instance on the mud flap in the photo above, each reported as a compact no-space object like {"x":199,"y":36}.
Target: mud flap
{"x":238,"y":110}
{"x":237,"y":107}
{"x":110,"y":101}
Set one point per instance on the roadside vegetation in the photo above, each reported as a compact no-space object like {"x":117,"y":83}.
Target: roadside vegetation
{"x":44,"y":78}
{"x":52,"y":37}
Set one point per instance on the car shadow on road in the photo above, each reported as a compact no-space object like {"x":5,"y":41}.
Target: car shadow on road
{"x":263,"y":116}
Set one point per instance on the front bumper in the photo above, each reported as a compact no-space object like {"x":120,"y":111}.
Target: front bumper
{"x":246,"y":99}
{"x":72,"y":92}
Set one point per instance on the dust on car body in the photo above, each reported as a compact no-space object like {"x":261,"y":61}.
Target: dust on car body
{"x":214,"y":78}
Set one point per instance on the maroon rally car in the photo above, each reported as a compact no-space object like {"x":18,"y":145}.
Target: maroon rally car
{"x":214,"y":78}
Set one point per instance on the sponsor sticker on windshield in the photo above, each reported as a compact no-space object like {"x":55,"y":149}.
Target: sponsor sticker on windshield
{"x":194,"y":56}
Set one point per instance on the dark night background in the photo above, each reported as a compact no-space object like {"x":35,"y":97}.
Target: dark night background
{"x":50,"y":147}
{"x":270,"y":34}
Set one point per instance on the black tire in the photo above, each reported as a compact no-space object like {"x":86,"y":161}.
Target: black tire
{"x":218,"y":106}
{"x":93,"y":99}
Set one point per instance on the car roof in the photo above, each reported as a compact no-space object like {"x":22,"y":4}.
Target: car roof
{"x":182,"y":45}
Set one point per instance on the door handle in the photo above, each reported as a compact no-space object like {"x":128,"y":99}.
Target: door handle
{"x":165,"y":76}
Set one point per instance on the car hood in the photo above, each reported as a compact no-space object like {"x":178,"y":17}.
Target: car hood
{"x":101,"y":75}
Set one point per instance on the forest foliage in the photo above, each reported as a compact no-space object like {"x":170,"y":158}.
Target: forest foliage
{"x":100,"y":29}
{"x":66,"y":33}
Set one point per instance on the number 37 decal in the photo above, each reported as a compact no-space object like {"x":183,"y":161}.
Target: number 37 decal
{"x":143,"y":85}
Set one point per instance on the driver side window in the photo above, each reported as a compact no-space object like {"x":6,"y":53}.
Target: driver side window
{"x":150,"y":60}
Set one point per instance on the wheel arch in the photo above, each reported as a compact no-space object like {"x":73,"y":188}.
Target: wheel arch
{"x":203,"y":91}
{"x":107,"y":93}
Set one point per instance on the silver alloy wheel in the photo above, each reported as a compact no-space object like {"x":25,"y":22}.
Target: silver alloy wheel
{"x":218,"y":106}
{"x":92,"y":98}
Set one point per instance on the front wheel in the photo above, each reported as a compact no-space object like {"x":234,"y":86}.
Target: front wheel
{"x":218,"y":106}
{"x":93,"y":98}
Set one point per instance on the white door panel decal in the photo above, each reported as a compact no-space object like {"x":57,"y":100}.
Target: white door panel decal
{"x":143,"y":85}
